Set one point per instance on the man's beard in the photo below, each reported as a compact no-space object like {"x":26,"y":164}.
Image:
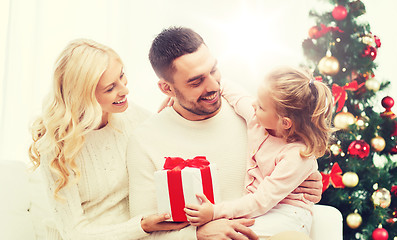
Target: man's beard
{"x":194,"y":107}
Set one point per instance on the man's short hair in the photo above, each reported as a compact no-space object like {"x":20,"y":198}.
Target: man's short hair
{"x":170,"y":44}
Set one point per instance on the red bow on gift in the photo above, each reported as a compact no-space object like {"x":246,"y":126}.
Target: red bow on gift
{"x":177,"y":163}
{"x":340,"y":93}
{"x":334,"y":177}
{"x":324,"y":29}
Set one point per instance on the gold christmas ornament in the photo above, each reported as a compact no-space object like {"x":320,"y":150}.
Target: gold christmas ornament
{"x":369,"y":40}
{"x":328,"y":65}
{"x":372,"y":84}
{"x":381,"y":197}
{"x":354,"y":220}
{"x":342,"y":120}
{"x":350,"y":179}
{"x":378,"y":143}
{"x":335,"y":149}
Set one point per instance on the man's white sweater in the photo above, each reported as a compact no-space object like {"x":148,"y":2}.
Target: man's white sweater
{"x":222,"y":139}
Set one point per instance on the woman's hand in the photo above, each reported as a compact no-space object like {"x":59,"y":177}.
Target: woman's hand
{"x":156,"y":222}
{"x":168,"y":102}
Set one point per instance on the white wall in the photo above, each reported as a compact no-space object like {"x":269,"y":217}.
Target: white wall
{"x":248,"y":37}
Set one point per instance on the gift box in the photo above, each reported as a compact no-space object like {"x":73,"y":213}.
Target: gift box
{"x":179,"y":182}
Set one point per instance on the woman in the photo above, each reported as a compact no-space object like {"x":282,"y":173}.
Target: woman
{"x":79,"y":142}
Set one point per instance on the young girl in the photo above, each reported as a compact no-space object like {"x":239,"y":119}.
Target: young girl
{"x":288,"y":128}
{"x":80,"y":143}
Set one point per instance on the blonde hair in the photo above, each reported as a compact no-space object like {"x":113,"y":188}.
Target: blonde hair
{"x":71,"y":110}
{"x":308,"y":103}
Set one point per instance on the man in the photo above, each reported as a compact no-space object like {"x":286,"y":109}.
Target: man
{"x":198,"y":124}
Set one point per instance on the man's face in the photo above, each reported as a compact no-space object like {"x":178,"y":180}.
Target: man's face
{"x":196,"y":85}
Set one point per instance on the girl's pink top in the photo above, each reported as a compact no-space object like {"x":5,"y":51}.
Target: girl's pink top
{"x":274,"y":168}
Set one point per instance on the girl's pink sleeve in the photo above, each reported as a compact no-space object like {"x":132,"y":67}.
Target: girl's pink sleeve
{"x":240,"y":100}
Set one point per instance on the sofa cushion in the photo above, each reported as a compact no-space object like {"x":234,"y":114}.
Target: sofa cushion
{"x":39,"y":206}
{"x":15,"y":219}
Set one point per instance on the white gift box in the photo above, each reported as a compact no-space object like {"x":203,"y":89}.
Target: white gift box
{"x":192,"y":184}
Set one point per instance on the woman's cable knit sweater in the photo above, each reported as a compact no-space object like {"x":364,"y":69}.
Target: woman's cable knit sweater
{"x":96,"y":207}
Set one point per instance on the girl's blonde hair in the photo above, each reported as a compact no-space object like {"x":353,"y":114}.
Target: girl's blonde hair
{"x":71,"y":110}
{"x":308,"y":103}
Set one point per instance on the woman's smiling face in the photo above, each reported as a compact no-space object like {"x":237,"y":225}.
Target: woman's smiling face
{"x":111,"y":91}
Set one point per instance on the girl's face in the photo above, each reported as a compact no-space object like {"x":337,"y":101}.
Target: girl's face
{"x":111,"y":91}
{"x":265,"y":110}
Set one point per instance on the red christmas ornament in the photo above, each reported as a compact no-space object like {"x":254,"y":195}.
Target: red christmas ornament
{"x":380,"y":234}
{"x":339,"y":13}
{"x":393,"y":150}
{"x":394,"y":190}
{"x":316,"y":32}
{"x":358,"y":148}
{"x":313,"y":32}
{"x":369,"y":51}
{"x":388,"y":103}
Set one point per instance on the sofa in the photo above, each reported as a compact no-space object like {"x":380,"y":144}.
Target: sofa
{"x":23,"y":202}
{"x":24,"y":207}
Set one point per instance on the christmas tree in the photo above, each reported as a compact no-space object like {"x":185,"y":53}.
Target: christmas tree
{"x":359,"y":173}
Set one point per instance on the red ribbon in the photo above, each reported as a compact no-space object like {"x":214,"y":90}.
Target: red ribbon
{"x":324,"y":29}
{"x":340,"y":93}
{"x":175,"y":188}
{"x":377,"y":41}
{"x":334,"y":177}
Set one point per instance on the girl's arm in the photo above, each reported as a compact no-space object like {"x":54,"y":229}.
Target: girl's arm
{"x":240,"y":100}
{"x":199,"y":215}
{"x":290,"y":171}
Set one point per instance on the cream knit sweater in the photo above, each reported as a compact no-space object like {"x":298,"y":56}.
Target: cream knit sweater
{"x":222,"y":139}
{"x":97,"y":206}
